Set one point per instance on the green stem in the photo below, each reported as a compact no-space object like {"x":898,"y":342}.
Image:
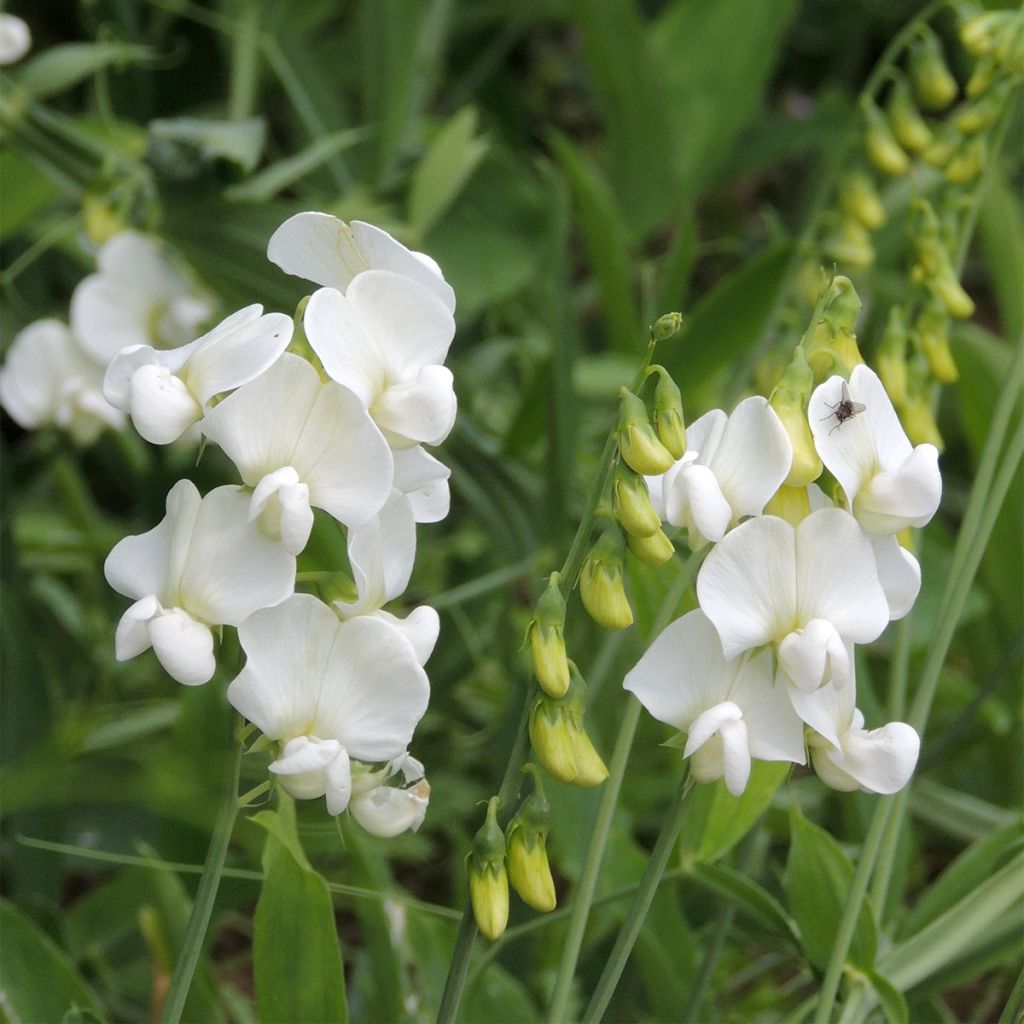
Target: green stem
{"x":245,"y":67}
{"x":899,"y":669}
{"x":206,"y":894}
{"x":638,"y":909}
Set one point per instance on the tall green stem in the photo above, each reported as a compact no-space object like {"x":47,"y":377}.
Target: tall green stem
{"x":206,"y":893}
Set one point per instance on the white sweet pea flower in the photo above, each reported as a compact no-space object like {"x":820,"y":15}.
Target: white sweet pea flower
{"x":387,"y":811}
{"x":48,"y":379}
{"x":731,"y":467}
{"x":424,"y":481}
{"x":302,"y":443}
{"x":807,"y":590}
{"x":329,"y":692}
{"x":205,"y":565}
{"x":15,"y":39}
{"x":889,"y":484}
{"x":165,"y":393}
{"x":845,"y":755}
{"x":327,"y":251}
{"x":138,"y":297}
{"x":385,"y":339}
{"x":729,"y":709}
{"x":381,"y":556}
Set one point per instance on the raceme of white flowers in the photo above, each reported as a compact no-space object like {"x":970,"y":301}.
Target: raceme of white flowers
{"x":338,"y":687}
{"x":765,"y":669}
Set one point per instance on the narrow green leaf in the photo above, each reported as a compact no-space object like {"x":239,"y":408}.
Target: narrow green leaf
{"x":716,"y":820}
{"x":281,"y":826}
{"x":448,"y":164}
{"x":237,"y":142}
{"x":745,"y":894}
{"x":894,"y":1006}
{"x":26,"y":192}
{"x":818,"y":878}
{"x":58,"y":68}
{"x":38,"y":980}
{"x":1001,"y":232}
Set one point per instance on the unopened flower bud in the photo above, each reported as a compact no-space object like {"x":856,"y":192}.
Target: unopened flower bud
{"x":976,"y":115}
{"x":935,"y":86}
{"x":668,"y":413}
{"x":666,"y":326}
{"x":933,"y":330}
{"x":882,"y":148}
{"x":859,"y":199}
{"x":631,"y":503}
{"x":656,"y":549}
{"x":891,"y":357}
{"x":601,"y":583}
{"x":919,"y":421}
{"x":949,"y":289}
{"x":638,"y":443}
{"x":984,"y":74}
{"x":978,"y":33}
{"x":908,"y":125}
{"x":488,"y":880}
{"x":561,"y":743}
{"x":831,"y":344}
{"x":547,"y":640}
{"x":941,"y":149}
{"x":789,"y":401}
{"x":967,"y":162}
{"x":528,"y":867}
{"x":934,"y":267}
{"x":790,"y":503}
{"x":100,"y":221}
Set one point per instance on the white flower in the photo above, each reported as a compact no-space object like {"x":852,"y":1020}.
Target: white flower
{"x":731,"y":467}
{"x":889,"y":484}
{"x":845,"y":755}
{"x":300,"y":442}
{"x":729,"y":709}
{"x":424,"y":481}
{"x":385,"y":339}
{"x":203,"y":566}
{"x":807,"y":590}
{"x":15,"y":39}
{"x":48,"y":379}
{"x":138,"y":297}
{"x":327,"y":251}
{"x":381,"y":556}
{"x":167,"y":392}
{"x":387,"y":811}
{"x":328,"y":691}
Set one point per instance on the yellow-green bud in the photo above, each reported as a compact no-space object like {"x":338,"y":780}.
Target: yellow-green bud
{"x":488,"y":880}
{"x":941,"y":149}
{"x":631,"y":503}
{"x":790,"y":503}
{"x":882,"y":148}
{"x":967,"y":162}
{"x":601,"y":583}
{"x":859,"y":199}
{"x":935,"y":86}
{"x":850,"y":244}
{"x":891,"y":357}
{"x":561,"y":743}
{"x":831,"y":344}
{"x":638,"y":443}
{"x":949,"y":289}
{"x":908,"y":125}
{"x":668,"y":413}
{"x":528,"y":868}
{"x":979,"y":33}
{"x":666,"y":326}
{"x":654,"y":550}
{"x":976,"y":115}
{"x":547,"y":640}
{"x":984,"y":74}
{"x":934,"y":268}
{"x":590,"y":767}
{"x":789,"y":400}
{"x":100,"y":221}
{"x":933,"y":330}
{"x":810,"y":281}
{"x":919,"y":422}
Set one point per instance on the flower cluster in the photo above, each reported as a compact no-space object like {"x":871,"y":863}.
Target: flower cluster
{"x":764,"y":668}
{"x":336,"y":424}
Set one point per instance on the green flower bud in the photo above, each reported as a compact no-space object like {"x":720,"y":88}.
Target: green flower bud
{"x":859,"y":199}
{"x":668,"y":413}
{"x":666,"y":326}
{"x":935,"y":86}
{"x":100,"y":220}
{"x":967,"y":162}
{"x":976,"y":115}
{"x":891,"y":357}
{"x":908,"y":125}
{"x":547,"y":640}
{"x":789,"y":400}
{"x":601,"y":583}
{"x":979,"y":33}
{"x":790,"y":503}
{"x":488,"y":880}
{"x":561,"y":743}
{"x":940,"y":151}
{"x":656,"y":549}
{"x":831,"y":344}
{"x":632,"y":503}
{"x":919,"y":421}
{"x":984,"y":74}
{"x":934,"y":268}
{"x":638,"y":443}
{"x":933,"y":330}
{"x":949,"y":289}
{"x":882,"y":148}
{"x":528,"y":867}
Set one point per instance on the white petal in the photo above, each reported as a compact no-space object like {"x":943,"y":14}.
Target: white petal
{"x":319,"y":248}
{"x":107,"y":316}
{"x":704,"y":435}
{"x":774,"y":730}
{"x":905,"y":496}
{"x":15,"y":39}
{"x":161,"y":406}
{"x":899,"y":573}
{"x":828,"y":710}
{"x":281,"y":502}
{"x":708,"y":723}
{"x":656,"y":492}
{"x":735,"y":756}
{"x":132,"y":635}
{"x":803,"y":654}
{"x":881,"y":760}
{"x":302,"y":754}
{"x":386,"y":811}
{"x":890,"y":439}
{"x":847,"y":448}
{"x":183,"y":646}
{"x":420,"y":411}
{"x":752,"y":459}
{"x":339,"y":782}
{"x":424,"y":481}
{"x":747,"y":584}
{"x":382,"y":556}
{"x":386,"y":253}
{"x":704,"y":501}
{"x":421,"y":627}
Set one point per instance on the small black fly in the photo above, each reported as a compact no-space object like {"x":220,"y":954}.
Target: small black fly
{"x":845,"y":409}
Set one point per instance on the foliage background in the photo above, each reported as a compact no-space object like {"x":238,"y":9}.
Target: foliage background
{"x":577,"y":169}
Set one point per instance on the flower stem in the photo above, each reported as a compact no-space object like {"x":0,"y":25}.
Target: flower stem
{"x":638,"y":909}
{"x":209,"y":882}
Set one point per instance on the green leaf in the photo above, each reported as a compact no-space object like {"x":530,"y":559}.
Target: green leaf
{"x":38,"y":980}
{"x":607,"y":245}
{"x":894,"y":1006}
{"x":1001,"y":232}
{"x":447,"y":166}
{"x":58,"y":68}
{"x":716,"y":820}
{"x":745,"y":894}
{"x":283,"y":832}
{"x":193,"y":138}
{"x":297,"y":966}
{"x":818,"y":879}
{"x":26,"y":191}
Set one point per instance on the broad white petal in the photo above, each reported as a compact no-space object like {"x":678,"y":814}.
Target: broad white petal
{"x":881,"y":760}
{"x":161,"y":406}
{"x":319,"y":248}
{"x":382,"y":556}
{"x":117,"y":381}
{"x":890,"y":439}
{"x":704,"y":501}
{"x":656,"y":492}
{"x":132,"y":635}
{"x":774,"y":730}
{"x":424,"y":481}
{"x":753,"y":458}
{"x":747,"y":584}
{"x":905,"y":496}
{"x":421,"y":411}
{"x":704,"y":435}
{"x":421,"y":627}
{"x":386,"y":811}
{"x":899,"y":573}
{"x":183,"y":646}
{"x":108,"y":315}
{"x":349,"y":353}
{"x":847,"y":448}
{"x":828,"y":710}
{"x":386,"y":253}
